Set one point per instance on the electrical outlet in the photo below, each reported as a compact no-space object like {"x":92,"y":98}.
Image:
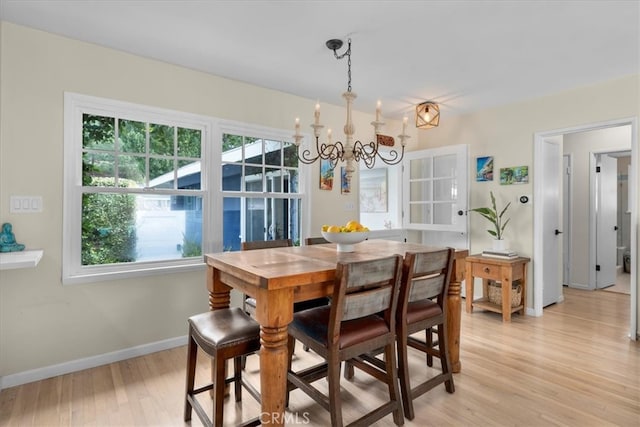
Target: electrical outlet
{"x":25,"y":204}
{"x":349,"y":206}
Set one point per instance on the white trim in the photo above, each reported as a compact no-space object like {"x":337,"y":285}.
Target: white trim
{"x":538,"y":140}
{"x":89,"y":362}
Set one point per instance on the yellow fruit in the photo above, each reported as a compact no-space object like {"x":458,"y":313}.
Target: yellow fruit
{"x":333,"y":229}
{"x":325,"y":227}
{"x":352,"y":225}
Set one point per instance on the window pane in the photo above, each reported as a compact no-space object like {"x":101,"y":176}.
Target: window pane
{"x":161,"y":139}
{"x":420,"y":168}
{"x":231,"y":223}
{"x":274,"y":180}
{"x":290,"y":155}
{"x":98,"y":132}
{"x":253,"y":151}
{"x":420,"y":191}
{"x":189,"y":176}
{"x":161,"y":173}
{"x":444,"y":166}
{"x":291,"y":180}
{"x":420,"y":213}
{"x":189,"y":142}
{"x":272,"y":153}
{"x":132,"y":168}
{"x":443,"y":213}
{"x":98,"y":169}
{"x":121,"y":228}
{"x":133,"y":136}
{"x":231,"y":177}
{"x":444,"y":189}
{"x":253,"y":178}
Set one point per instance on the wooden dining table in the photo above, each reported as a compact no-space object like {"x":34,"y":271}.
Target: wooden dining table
{"x":278,"y":277}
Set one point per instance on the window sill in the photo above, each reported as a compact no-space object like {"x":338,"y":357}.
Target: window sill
{"x":22,"y":259}
{"x":101,"y":275}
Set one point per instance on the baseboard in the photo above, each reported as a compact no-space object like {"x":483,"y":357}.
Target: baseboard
{"x":89,"y":362}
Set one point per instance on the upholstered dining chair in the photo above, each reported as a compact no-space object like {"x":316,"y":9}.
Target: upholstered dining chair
{"x":360,"y":319}
{"x":223,"y":334}
{"x":422,"y":307}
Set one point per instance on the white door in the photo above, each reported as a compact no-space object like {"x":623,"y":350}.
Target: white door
{"x":566,"y":220}
{"x":606,"y":221}
{"x":552,"y":242}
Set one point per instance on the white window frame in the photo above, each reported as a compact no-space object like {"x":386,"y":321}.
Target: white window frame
{"x":74,"y":106}
{"x":255,"y":131}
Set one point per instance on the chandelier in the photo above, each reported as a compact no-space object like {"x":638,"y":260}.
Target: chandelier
{"x":350,"y":151}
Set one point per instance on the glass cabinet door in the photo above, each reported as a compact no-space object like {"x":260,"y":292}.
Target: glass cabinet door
{"x":435,"y":189}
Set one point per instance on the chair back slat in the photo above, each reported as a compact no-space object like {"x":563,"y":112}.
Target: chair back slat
{"x":315,"y":240}
{"x":363,"y":288}
{"x":425,"y":276}
{"x":367,"y":302}
{"x":264,"y":244}
{"x":426,"y":287}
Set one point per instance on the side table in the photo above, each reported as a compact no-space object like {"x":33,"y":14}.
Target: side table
{"x":505,"y":271}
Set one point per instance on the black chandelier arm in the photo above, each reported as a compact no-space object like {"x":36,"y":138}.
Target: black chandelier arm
{"x":332,"y":152}
{"x":369,"y":151}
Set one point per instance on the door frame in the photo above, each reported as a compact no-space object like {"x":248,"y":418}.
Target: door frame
{"x":538,"y":163}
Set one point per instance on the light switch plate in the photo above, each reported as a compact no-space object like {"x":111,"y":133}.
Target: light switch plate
{"x":25,"y":204}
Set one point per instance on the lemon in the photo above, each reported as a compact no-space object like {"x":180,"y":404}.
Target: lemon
{"x":353,"y":225}
{"x":325,"y":227}
{"x":333,"y":229}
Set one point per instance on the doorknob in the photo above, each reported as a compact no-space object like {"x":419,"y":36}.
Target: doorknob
{"x":615,"y":228}
{"x":558,"y":232}
{"x":461,"y":212}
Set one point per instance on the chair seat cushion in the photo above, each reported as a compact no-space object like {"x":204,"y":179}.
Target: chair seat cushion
{"x":224,"y":327}
{"x":421,"y":310}
{"x":314,"y":323}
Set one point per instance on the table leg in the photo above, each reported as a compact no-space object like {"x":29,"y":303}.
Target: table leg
{"x":454,"y":314}
{"x":507,"y":275}
{"x":274,"y":355}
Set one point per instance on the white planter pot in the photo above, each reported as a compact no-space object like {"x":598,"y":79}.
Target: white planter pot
{"x":499,"y":245}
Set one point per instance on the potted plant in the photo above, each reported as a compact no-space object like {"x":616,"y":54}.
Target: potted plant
{"x":496,"y":219}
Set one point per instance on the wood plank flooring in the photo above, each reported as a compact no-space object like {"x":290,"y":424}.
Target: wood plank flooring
{"x":575,"y":366}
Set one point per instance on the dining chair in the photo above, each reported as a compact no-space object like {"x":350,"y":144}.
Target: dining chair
{"x":315,"y":240}
{"x":422,"y":307}
{"x":223,"y":334}
{"x":360,"y":319}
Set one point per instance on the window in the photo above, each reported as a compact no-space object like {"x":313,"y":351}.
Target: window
{"x":135,"y":188}
{"x":261,"y":187}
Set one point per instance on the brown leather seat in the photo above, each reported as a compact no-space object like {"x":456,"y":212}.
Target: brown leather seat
{"x":360,"y":319}
{"x":223,"y":334}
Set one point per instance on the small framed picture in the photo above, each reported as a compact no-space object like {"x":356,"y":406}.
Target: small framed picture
{"x":345,"y":183}
{"x":326,"y":175}
{"x":514,"y":175}
{"x":484,"y":169}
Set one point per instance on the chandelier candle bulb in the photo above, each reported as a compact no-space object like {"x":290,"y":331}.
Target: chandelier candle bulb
{"x":378,"y":106}
{"x":404,"y":124}
{"x":316,"y":114}
{"x":329,"y":136}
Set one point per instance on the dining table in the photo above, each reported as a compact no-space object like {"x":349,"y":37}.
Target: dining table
{"x":278,"y":277}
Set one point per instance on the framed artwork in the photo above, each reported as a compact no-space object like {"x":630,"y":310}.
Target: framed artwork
{"x":484,"y":168}
{"x":326,"y":175}
{"x":514,"y":175}
{"x":345,"y":184}
{"x":373,"y":190}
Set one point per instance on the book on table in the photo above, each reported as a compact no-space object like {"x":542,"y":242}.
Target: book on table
{"x":504,"y":254}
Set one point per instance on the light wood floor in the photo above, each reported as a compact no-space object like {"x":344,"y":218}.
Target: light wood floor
{"x":575,"y":366}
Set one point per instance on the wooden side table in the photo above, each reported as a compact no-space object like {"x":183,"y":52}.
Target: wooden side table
{"x":505,"y":271}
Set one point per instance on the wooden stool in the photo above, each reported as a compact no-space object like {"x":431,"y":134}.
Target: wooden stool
{"x":223,"y":334}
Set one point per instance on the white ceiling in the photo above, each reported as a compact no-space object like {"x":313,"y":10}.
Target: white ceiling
{"x":465,"y":55}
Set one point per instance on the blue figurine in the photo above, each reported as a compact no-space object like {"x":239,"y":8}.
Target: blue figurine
{"x":8,"y":240}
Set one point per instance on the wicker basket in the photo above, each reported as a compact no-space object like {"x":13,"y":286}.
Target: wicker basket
{"x":495,"y":293}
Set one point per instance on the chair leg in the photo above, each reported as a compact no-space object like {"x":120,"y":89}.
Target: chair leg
{"x":403,"y":373}
{"x":237,"y":377}
{"x":443,"y":348}
{"x":291,"y":344}
{"x":429,"y":341}
{"x":333,"y":376}
{"x":392,"y":382}
{"x":218,"y":390}
{"x":192,"y":352}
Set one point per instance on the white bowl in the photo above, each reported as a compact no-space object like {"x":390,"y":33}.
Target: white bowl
{"x":346,"y":241}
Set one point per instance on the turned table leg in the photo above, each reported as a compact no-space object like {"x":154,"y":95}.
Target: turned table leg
{"x":454,"y":314}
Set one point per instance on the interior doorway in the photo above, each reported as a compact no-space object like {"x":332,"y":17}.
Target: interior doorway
{"x":544,"y":230}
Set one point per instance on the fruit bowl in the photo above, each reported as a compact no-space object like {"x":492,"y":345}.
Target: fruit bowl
{"x":345,"y":241}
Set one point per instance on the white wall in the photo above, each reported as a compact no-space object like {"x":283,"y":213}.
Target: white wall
{"x":580,"y":145}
